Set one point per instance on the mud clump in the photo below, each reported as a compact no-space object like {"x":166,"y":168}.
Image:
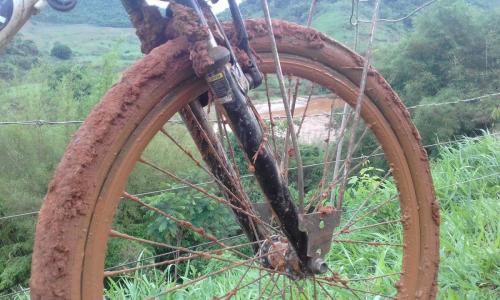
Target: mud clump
{"x":150,"y":27}
{"x":185,"y":23}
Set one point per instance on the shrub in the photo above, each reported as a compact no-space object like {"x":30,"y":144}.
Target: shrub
{"x":61,"y":51}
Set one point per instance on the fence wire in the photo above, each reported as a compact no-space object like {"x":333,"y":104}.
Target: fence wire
{"x":40,"y":123}
{"x":180,"y":187}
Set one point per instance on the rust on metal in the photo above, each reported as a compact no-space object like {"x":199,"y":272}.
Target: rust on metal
{"x":319,"y":227}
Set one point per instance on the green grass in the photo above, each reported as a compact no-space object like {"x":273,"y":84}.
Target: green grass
{"x":88,"y":42}
{"x":468,"y":187}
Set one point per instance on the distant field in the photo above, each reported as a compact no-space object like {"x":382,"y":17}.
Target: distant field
{"x":88,"y":42}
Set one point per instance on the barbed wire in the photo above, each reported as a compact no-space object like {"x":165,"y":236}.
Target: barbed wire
{"x":19,"y":215}
{"x":40,"y":123}
{"x":413,"y":12}
{"x":48,"y":123}
{"x":475,"y":99}
{"x":55,"y":123}
{"x":470,"y":180}
{"x":234,"y":237}
{"x":156,"y":192}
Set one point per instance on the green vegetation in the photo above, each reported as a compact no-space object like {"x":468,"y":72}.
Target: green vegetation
{"x":109,"y":13}
{"x":466,"y":177}
{"x":449,"y":52}
{"x":89,"y":43}
{"x":61,"y":51}
{"x":18,"y":57}
{"x":453,"y":53}
{"x":29,"y":155}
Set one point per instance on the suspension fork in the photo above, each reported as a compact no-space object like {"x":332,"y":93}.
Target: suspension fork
{"x":229,"y":90}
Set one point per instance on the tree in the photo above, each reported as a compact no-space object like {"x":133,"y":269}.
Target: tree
{"x":452,"y":54}
{"x":61,"y":51}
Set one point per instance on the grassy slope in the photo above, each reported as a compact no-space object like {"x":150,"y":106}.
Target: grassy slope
{"x":469,"y":230}
{"x":88,"y":42}
{"x":91,"y":40}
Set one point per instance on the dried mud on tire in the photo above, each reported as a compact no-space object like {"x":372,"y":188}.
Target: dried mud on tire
{"x":62,"y":234}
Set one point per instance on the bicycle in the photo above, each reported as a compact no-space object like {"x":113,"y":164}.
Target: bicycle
{"x":195,"y":63}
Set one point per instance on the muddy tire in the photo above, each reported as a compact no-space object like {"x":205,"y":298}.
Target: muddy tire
{"x":75,"y":220}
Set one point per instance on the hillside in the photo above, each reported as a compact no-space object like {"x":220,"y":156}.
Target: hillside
{"x":109,"y":13}
{"x":332,"y":16}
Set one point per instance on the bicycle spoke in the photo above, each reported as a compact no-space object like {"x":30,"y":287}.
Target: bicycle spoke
{"x":353,"y":290}
{"x":190,"y":282}
{"x":179,"y":222}
{"x":235,"y":290}
{"x":200,"y":165}
{"x":376,"y":277}
{"x":279,"y":73}
{"x":368,"y":243}
{"x":204,"y":192}
{"x":349,"y":230}
{"x":369,"y":212}
{"x":205,"y":255}
{"x":206,"y":244}
{"x":271,"y":120}
{"x":359,"y":101}
{"x":304,"y":113}
{"x":324,"y":289}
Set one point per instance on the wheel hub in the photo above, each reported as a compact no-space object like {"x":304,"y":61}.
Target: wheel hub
{"x":277,"y":254}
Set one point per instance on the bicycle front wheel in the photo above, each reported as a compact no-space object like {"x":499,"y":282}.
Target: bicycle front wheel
{"x":386,"y":245}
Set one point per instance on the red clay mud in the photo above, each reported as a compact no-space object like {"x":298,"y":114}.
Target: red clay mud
{"x":62,"y":229}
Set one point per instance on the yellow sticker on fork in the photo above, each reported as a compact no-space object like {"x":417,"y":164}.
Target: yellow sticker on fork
{"x":215,"y":77}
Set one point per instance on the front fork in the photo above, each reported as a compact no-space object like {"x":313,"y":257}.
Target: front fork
{"x":229,"y":87}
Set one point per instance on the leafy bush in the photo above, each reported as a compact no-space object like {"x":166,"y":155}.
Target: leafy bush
{"x":61,"y":51}
{"x":18,"y":56}
{"x":452,"y":54}
{"x":29,"y":155}
{"x":469,"y":233}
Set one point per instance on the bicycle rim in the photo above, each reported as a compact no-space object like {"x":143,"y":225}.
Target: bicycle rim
{"x":80,"y":255}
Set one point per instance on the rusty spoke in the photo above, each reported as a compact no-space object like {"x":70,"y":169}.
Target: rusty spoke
{"x":304,"y":113}
{"x":349,"y":230}
{"x":117,"y":234}
{"x":359,"y":101}
{"x":375,"y":277}
{"x":200,"y":165}
{"x":369,"y":212}
{"x":326,"y":158}
{"x":324,"y":290}
{"x":365,"y":201}
{"x":376,"y":244}
{"x":182,"y":223}
{"x":150,"y":266}
{"x":353,"y":290}
{"x":234,"y":291}
{"x":220,"y":120}
{"x":203,"y":277}
{"x":320,"y":196}
{"x":271,"y":120}
{"x":205,"y":192}
{"x":263,"y":289}
{"x":275,"y":284}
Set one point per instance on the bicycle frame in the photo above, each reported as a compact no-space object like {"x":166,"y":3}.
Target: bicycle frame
{"x":231,"y":98}
{"x":22,"y":10}
{"x":229,"y":85}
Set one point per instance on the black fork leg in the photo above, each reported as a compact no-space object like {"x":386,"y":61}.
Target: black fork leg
{"x":213,"y":155}
{"x":250,"y":135}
